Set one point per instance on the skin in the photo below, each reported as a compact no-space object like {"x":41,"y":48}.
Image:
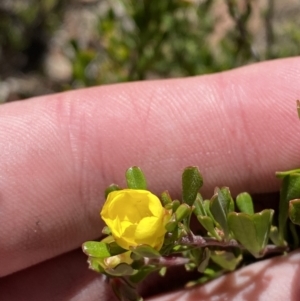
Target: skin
{"x":59,"y":153}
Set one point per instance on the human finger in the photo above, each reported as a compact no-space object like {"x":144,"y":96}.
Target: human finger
{"x":59,"y":152}
{"x":274,"y":279}
{"x":62,"y":278}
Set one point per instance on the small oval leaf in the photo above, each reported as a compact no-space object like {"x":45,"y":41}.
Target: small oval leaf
{"x":198,"y":205}
{"x":226,"y":260}
{"x":166,"y":198}
{"x":182,"y":212}
{"x":220,"y":205}
{"x":244,"y":203}
{"x":124,"y":290}
{"x":96,"y":249}
{"x":209,"y":225}
{"x":274,"y":236}
{"x":191,"y":183}
{"x":175,"y":205}
{"x":263,"y":222}
{"x":135,"y":178}
{"x":142,"y":274}
{"x":172,"y":224}
{"x":123,"y":269}
{"x":115,"y":249}
{"x":111,"y":188}
{"x":95,"y":265}
{"x":146,"y":251}
{"x":204,"y":260}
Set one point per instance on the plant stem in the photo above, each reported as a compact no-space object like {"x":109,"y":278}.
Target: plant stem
{"x":167,"y":261}
{"x":201,"y":242}
{"x":271,"y":249}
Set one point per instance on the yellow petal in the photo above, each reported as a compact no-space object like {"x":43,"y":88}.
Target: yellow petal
{"x":126,"y":240}
{"x":148,"y":230}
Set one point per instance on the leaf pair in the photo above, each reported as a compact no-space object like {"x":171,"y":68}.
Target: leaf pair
{"x":288,"y":206}
{"x":205,"y":217}
{"x":192,"y":181}
{"x":252,"y":231}
{"x":212,"y":214}
{"x":220,"y":206}
{"x":181,"y":212}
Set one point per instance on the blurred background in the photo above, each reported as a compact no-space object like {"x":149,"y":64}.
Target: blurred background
{"x":48,"y":46}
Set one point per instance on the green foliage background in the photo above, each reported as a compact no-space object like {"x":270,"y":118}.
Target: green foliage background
{"x":125,"y":40}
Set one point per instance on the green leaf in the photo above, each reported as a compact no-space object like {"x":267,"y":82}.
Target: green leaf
{"x":190,"y":266}
{"x":231,"y":205}
{"x":226,"y":260}
{"x":135,"y":178}
{"x":209,"y":226}
{"x":206,"y":207}
{"x":96,"y":249}
{"x":162,"y":272}
{"x":191,"y":183}
{"x":115,"y":249}
{"x":182,"y":212}
{"x":142,"y":274}
{"x":166,"y":198}
{"x":94,"y":265}
{"x":274,"y":236}
{"x":220,"y":206}
{"x":198,"y":206}
{"x":195,"y":255}
{"x":111,"y":188}
{"x":225,"y":194}
{"x":204,"y":260}
{"x":282,"y":174}
{"x":252,"y":231}
{"x":244,"y":203}
{"x":106,"y":230}
{"x":181,"y":248}
{"x":146,"y":251}
{"x":135,"y":257}
{"x":290,"y":190}
{"x":172,"y":224}
{"x":243,"y":229}
{"x":122,"y":269}
{"x":294,"y":211}
{"x":175,"y":205}
{"x":137,"y":263}
{"x":124,"y":290}
{"x":263,"y":223}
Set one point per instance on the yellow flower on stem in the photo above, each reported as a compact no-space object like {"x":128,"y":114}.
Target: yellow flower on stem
{"x":135,"y":217}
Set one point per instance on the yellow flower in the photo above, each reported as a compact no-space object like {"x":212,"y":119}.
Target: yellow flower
{"x":135,"y":217}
